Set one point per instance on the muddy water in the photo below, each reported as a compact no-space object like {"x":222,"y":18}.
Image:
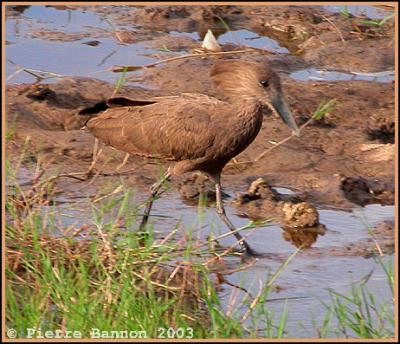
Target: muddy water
{"x":60,"y":34}
{"x":324,"y":75}
{"x":370,"y":11}
{"x":82,"y":42}
{"x":65,"y":49}
{"x":304,"y":284}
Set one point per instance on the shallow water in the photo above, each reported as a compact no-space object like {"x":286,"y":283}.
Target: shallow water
{"x":306,"y":278}
{"x":76,"y":58}
{"x":313,"y":74}
{"x":305,"y":283}
{"x":372,"y":12}
{"x":67,"y":58}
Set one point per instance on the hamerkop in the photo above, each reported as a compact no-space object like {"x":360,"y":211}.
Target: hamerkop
{"x":198,"y":132}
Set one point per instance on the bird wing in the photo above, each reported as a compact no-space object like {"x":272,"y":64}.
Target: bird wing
{"x":175,"y":128}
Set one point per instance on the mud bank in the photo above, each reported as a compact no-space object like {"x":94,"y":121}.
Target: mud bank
{"x":330,"y":158}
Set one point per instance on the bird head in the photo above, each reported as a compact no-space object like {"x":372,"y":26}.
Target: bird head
{"x":256,"y":82}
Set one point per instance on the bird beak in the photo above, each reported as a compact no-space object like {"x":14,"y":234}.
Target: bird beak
{"x":283,"y":111}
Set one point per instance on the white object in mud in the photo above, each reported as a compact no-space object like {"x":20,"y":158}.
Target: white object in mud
{"x":210,"y":42}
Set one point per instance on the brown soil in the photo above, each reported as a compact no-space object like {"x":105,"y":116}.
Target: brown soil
{"x":197,"y":184}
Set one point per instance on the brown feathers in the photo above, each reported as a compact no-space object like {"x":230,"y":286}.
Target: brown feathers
{"x":197,"y":131}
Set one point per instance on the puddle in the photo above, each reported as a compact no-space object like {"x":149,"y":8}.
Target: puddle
{"x":313,"y":74}
{"x":284,"y":191}
{"x":371,"y":12}
{"x":51,"y":40}
{"x":343,"y":228}
{"x":67,"y":58}
{"x":306,"y":278}
{"x":27,"y":47}
{"x":244,"y":38}
{"x":251,"y":39}
{"x":68,"y":21}
{"x":304,"y":282}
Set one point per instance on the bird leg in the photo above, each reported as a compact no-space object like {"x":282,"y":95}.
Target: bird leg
{"x":221,"y":212}
{"x":127,"y":155}
{"x":154,"y":189}
{"x":95,"y":156}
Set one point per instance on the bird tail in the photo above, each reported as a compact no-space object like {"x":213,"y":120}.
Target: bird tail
{"x":96,"y":109}
{"x":93,"y":111}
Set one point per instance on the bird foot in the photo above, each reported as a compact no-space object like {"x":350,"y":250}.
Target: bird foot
{"x":248,"y":252}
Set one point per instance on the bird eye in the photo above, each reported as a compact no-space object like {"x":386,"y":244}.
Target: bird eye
{"x":264,"y":83}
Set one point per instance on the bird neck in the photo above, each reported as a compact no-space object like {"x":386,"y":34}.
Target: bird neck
{"x":247,"y":108}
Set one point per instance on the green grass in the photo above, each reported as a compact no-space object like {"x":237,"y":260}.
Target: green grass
{"x":10,"y":130}
{"x":377,"y":22}
{"x":345,"y":12}
{"x":119,"y":279}
{"x":370,"y":22}
{"x":225,"y":25}
{"x":114,"y":278}
{"x":360,"y":313}
{"x":324,"y":108}
{"x":120,"y":81}
{"x":110,"y":284}
{"x":164,"y":49}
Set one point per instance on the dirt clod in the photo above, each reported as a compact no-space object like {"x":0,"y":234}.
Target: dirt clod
{"x":381,"y":127}
{"x":299,"y":215}
{"x":363,"y":191}
{"x":259,"y":189}
{"x":299,"y":220}
{"x":198,"y":184}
